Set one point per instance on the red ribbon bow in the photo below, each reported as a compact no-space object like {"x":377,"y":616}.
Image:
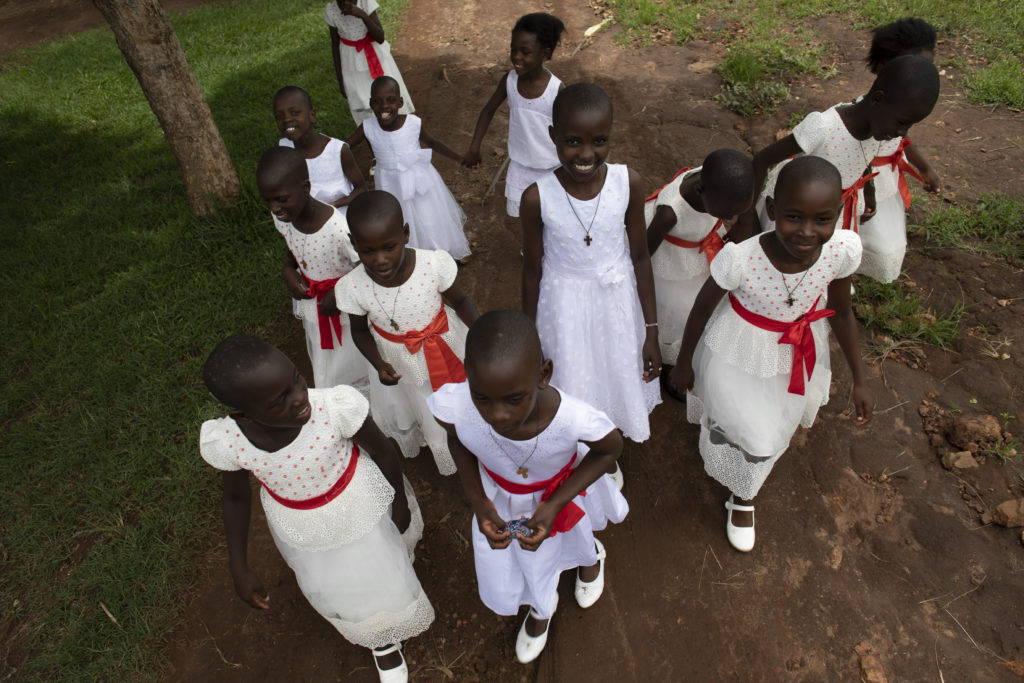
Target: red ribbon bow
{"x":897,"y":161}
{"x":798,"y":333}
{"x":709,"y":246}
{"x":569,"y":516}
{"x":365,"y":45}
{"x":850,"y":201}
{"x":442,"y":363}
{"x":319,"y":289}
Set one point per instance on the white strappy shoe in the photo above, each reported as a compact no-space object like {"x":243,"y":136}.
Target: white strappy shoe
{"x":740,"y":537}
{"x":528,"y":647}
{"x":587,"y":592}
{"x":400,"y":673}
{"x":617,"y":477}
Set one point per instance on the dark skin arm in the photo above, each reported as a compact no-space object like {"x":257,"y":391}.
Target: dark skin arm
{"x":844,"y":325}
{"x":661,"y":224}
{"x":293,"y":280}
{"x":602,"y":455}
{"x":491,"y":525}
{"x":636,"y":234}
{"x":428,"y":142}
{"x":358,"y":137}
{"x":368,"y":347}
{"x":707,"y":299}
{"x":380,"y":449}
{"x":354,"y":175}
{"x":336,"y":57}
{"x":460,"y":302}
{"x":483,"y":122}
{"x":916,"y":157}
{"x":533,"y":249}
{"x":371,"y":21}
{"x":236,"y":505}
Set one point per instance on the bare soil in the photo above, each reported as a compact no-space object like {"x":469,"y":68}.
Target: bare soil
{"x":873,"y":561}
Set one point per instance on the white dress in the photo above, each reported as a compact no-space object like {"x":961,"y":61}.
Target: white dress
{"x":588,"y":311}
{"x":679,"y":272}
{"x":327,"y":178}
{"x":511,"y":577}
{"x":355,"y":70}
{"x":741,"y":396}
{"x":349,"y":559}
{"x":531,"y":152}
{"x":404,"y":169}
{"x":324,"y":255}
{"x":401,"y":410}
{"x":884,"y":237}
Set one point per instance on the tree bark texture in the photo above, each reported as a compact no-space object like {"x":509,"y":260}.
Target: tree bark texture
{"x":152,"y":50}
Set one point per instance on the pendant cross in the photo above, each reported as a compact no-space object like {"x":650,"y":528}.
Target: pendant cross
{"x":588,"y":240}
{"x":789,"y":301}
{"x":524,"y":472}
{"x":395,"y":325}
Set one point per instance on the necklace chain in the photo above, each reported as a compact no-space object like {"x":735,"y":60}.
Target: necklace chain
{"x":790,"y":292}
{"x":394,"y":305}
{"x":521,"y":468}
{"x":587,"y":239}
{"x":867,"y":163}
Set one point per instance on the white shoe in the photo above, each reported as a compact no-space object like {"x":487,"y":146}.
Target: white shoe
{"x":587,"y":592}
{"x":617,"y":477}
{"x":740,"y":537}
{"x":528,"y":647}
{"x":399,"y":674}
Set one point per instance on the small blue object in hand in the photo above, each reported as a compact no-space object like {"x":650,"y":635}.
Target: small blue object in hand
{"x":518,"y":526}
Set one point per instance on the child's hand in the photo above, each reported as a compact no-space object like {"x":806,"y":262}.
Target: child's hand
{"x":250,"y":588}
{"x":388,"y":376}
{"x":351,"y":9}
{"x":652,"y":357}
{"x":329,"y":305}
{"x":471,"y":160}
{"x":682,"y":375}
{"x":862,"y":403}
{"x":492,"y":526}
{"x":401,"y":516}
{"x":869,"y":202}
{"x":931,"y":181}
{"x":296,"y":284}
{"x":542,"y":522}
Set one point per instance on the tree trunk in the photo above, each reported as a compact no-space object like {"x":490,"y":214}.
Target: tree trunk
{"x":154,"y":54}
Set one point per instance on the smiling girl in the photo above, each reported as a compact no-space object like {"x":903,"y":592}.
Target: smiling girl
{"x":745,"y":360}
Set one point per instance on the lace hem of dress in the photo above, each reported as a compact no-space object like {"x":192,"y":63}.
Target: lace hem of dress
{"x":345,"y":519}
{"x":881,"y":267}
{"x":755,"y":351}
{"x":386,"y":628}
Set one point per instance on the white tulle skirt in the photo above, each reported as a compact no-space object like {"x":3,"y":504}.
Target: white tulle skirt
{"x":885,"y":240}
{"x":401,"y":412}
{"x":511,"y":577}
{"x":434,"y":217}
{"x":675,"y":300}
{"x":367,"y":589}
{"x":343,"y":364}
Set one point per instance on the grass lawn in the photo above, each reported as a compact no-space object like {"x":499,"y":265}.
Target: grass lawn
{"x":114,"y":294}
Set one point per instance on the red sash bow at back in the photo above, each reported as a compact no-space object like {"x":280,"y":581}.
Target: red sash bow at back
{"x":798,"y":333}
{"x":319,"y":289}
{"x":897,"y":161}
{"x":569,"y":516}
{"x":365,"y":45}
{"x":442,"y":363}
{"x":323,"y":498}
{"x":850,"y":201}
{"x":709,"y":246}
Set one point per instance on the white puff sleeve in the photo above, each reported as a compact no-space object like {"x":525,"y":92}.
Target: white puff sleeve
{"x":345,"y":295}
{"x":447,"y":402}
{"x":811,"y":132}
{"x":445,"y":268}
{"x":727,"y":268}
{"x":849,"y":251}
{"x":348,"y":408}
{"x":217,"y":444}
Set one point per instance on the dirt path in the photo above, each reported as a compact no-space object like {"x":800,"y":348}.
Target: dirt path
{"x":870,"y":554}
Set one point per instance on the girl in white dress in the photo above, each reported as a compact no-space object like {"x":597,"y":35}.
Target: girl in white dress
{"x":687,"y":223}
{"x":402,"y":303}
{"x":360,"y":54}
{"x":339,"y":509}
{"x":864,"y":140}
{"x":319,"y":253}
{"x":530,"y":90}
{"x":750,"y":353}
{"x":403,"y":150}
{"x":531,"y":454}
{"x":586,"y":272}
{"x":334,"y":176}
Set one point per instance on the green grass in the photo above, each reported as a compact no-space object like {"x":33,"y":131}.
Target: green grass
{"x":644,"y":20}
{"x":114,"y":295}
{"x":1000,"y":83}
{"x":995,"y":225}
{"x":896,"y":311}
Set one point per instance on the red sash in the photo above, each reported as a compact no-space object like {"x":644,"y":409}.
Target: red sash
{"x":323,"y":498}
{"x":569,"y":516}
{"x":365,"y":45}
{"x":319,"y":289}
{"x":655,"y":194}
{"x":709,"y":246}
{"x":442,"y":363}
{"x":797,"y":333}
{"x":850,"y":201}
{"x":897,"y":161}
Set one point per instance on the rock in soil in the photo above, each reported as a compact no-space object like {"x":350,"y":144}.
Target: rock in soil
{"x":959,"y":460}
{"x":975,"y":433}
{"x":870,"y":668}
{"x":1009,"y":513}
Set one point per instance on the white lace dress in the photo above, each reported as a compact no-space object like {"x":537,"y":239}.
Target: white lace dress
{"x":327,"y":178}
{"x":355,"y":70}
{"x":531,"y":152}
{"x":401,"y":411}
{"x":511,"y":577}
{"x":349,"y":559}
{"x":588,"y":311}
{"x":741,"y":396}
{"x":679,"y":272}
{"x":884,"y":237}
{"x":404,"y":169}
{"x":324,"y":255}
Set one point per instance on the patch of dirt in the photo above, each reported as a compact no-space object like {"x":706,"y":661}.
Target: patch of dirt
{"x":873,"y":560}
